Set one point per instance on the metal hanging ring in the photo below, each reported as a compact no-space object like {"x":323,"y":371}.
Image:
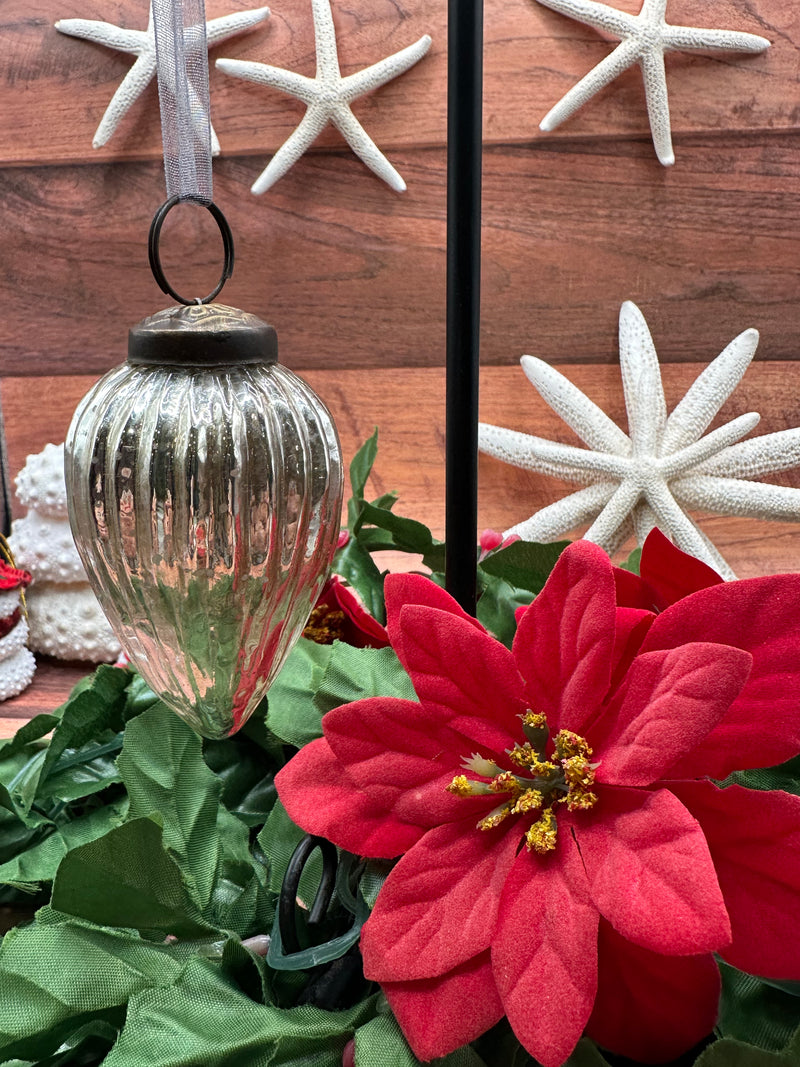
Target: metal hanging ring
{"x":155,"y":239}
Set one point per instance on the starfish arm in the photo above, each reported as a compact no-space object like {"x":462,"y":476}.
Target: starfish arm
{"x":605,"y":527}
{"x":364,"y":81}
{"x":706,"y":447}
{"x":623,"y":56}
{"x":644,"y":520}
{"x":547,"y":457}
{"x":692,"y":39}
{"x":566,"y":514}
{"x":325,"y":38}
{"x":229,"y":25}
{"x":215,"y":147}
{"x":708,"y":393}
{"x":287,"y":81}
{"x":677,"y":525}
{"x":134,"y":42}
{"x":311,"y":125}
{"x":598,"y":16}
{"x":655,"y":91}
{"x":580,"y":413}
{"x":130,"y":89}
{"x":729,"y":496}
{"x":653,"y":11}
{"x":641,"y":382}
{"x":623,"y":534}
{"x":365,"y":148}
{"x":713,"y":557}
{"x":772,"y":452}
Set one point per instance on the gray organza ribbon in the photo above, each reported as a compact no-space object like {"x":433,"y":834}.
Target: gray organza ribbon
{"x":182,"y":57}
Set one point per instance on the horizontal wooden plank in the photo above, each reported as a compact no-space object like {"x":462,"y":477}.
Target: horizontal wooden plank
{"x":51,"y":685}
{"x":352,"y":277}
{"x":408,"y":408}
{"x":54,"y":89}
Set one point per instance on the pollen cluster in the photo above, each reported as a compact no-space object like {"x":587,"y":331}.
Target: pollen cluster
{"x":537,"y":782}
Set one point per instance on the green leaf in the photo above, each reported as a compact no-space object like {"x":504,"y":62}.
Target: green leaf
{"x":731,"y":1053}
{"x":89,"y":1044}
{"x":204,"y":1020}
{"x":127,"y":879}
{"x":163,"y":770}
{"x":361,"y":466}
{"x":524,"y":564}
{"x":357,"y":567}
{"x":408,"y":535}
{"x":247,"y":774}
{"x":292,"y":714}
{"x":786,"y":777}
{"x":81,"y":772}
{"x":353,"y":673}
{"x":40,"y":862}
{"x":497,"y":604}
{"x":633,"y":562}
{"x":92,"y":716}
{"x":33,"y":730}
{"x":56,"y":975}
{"x":381,"y":1042}
{"x":756,"y":1012}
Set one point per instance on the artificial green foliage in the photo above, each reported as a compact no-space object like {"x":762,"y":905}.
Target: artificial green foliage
{"x":162,"y":856}
{"x":756,"y":1011}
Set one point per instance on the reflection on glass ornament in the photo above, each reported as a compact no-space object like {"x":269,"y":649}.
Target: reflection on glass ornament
{"x":205,"y":490}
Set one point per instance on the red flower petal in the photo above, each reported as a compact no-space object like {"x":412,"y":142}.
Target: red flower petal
{"x":754,"y":838}
{"x":359,"y":628}
{"x":630,"y":629}
{"x":650,"y":873}
{"x":651,"y":1007}
{"x":394,"y":751}
{"x":321,"y":799}
{"x":565,"y":640}
{"x":465,"y":678}
{"x":673,"y":574}
{"x":632,"y":592}
{"x":439,"y":1015}
{"x":668,"y":702}
{"x":438,"y":907}
{"x":544,"y":954}
{"x":402,"y":589}
{"x":761,"y":616}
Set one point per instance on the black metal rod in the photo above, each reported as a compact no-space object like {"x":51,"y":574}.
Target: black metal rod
{"x":464,"y":144}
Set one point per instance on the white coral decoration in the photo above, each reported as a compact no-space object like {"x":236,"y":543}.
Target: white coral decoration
{"x":665,"y":465}
{"x":63,"y":614}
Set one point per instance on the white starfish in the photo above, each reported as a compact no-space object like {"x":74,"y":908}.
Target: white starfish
{"x":328,"y":97}
{"x":645,"y":479}
{"x":142,"y":44}
{"x":644,"y":38}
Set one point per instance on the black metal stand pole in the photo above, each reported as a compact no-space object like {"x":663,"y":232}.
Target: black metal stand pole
{"x":464,"y":144}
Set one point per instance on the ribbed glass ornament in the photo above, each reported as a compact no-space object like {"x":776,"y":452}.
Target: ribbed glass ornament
{"x":205,"y":498}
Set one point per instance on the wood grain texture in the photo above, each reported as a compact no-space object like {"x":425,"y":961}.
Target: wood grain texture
{"x":52,"y":684}
{"x":408,"y":408}
{"x":55,"y":89}
{"x":352,"y":275}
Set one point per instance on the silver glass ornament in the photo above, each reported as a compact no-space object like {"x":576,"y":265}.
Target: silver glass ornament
{"x":205,"y":489}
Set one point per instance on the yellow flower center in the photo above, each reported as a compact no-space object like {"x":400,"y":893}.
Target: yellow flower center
{"x":325,"y":625}
{"x":536,"y":784}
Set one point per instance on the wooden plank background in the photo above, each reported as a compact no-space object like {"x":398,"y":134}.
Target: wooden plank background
{"x":352,"y":274}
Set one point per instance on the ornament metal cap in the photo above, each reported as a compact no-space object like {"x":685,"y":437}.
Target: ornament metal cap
{"x":202,"y":335}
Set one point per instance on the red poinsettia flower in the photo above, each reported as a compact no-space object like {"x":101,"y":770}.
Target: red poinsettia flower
{"x":564,"y":860}
{"x":338,"y":615}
